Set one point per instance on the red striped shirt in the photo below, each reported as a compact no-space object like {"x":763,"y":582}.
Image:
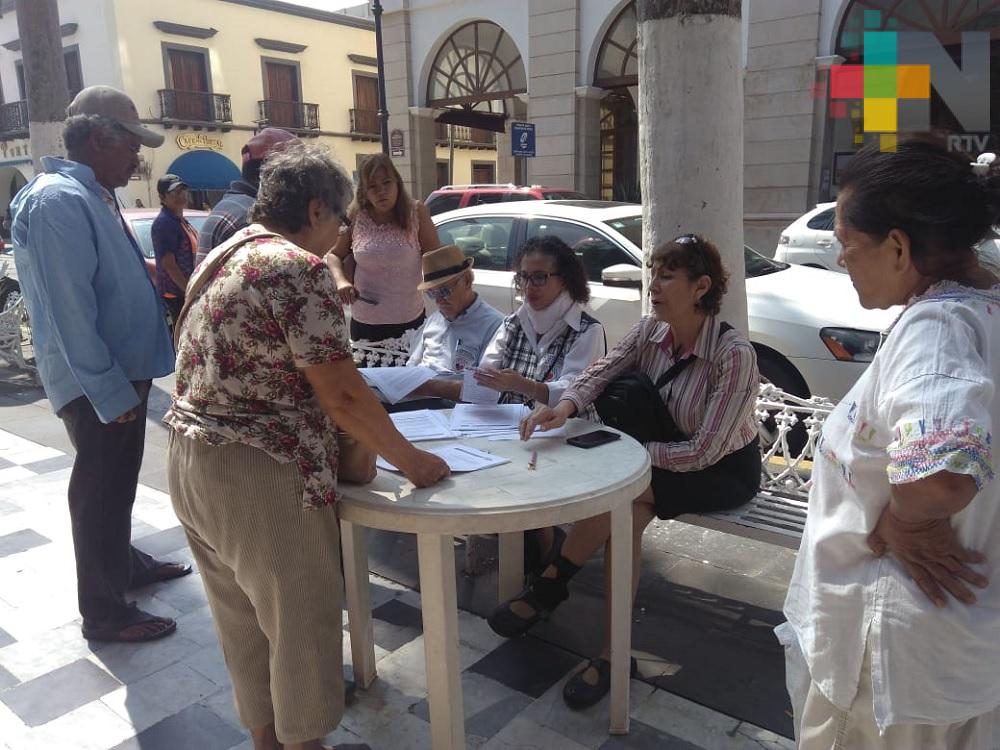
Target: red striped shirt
{"x":712,"y":399}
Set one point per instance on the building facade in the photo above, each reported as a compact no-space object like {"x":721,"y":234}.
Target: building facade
{"x":570,"y":67}
{"x":208,"y":74}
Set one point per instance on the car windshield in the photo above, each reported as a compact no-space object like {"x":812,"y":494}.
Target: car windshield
{"x":629,"y":227}
{"x":143,"y":228}
{"x":562,"y":195}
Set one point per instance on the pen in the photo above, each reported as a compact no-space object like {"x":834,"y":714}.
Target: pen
{"x":534,"y":460}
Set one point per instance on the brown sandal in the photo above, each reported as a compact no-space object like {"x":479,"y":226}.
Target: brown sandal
{"x":137,"y":627}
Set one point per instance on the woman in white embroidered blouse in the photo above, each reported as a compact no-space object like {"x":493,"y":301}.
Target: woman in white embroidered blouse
{"x":893,"y":632}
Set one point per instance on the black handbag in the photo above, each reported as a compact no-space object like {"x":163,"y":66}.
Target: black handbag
{"x":631,"y":403}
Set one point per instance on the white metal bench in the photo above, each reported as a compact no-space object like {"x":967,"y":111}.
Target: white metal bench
{"x":12,"y":336}
{"x":778,"y":513}
{"x":385,"y":353}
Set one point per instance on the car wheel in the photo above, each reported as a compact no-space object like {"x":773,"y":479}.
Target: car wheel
{"x":10,"y":293}
{"x":778,"y":371}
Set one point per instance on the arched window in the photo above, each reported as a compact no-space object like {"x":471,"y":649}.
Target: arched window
{"x":618,"y":59}
{"x":478,"y":66}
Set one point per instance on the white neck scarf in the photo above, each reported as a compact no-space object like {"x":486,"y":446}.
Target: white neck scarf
{"x":544,"y":320}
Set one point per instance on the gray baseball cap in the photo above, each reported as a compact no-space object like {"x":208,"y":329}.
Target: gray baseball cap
{"x":114,"y":104}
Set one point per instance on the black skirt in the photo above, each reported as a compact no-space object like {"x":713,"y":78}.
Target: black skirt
{"x":375,"y":332}
{"x":726,"y":484}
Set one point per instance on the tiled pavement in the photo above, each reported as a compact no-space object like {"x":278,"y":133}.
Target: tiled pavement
{"x":56,"y":691}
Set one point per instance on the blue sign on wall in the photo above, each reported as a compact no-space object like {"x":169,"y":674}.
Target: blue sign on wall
{"x":522,"y":139}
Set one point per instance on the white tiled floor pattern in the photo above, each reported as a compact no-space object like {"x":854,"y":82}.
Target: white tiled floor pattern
{"x":38,"y":609}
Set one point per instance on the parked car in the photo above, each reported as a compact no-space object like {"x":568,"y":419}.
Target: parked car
{"x":451,"y":197}
{"x":141,"y":222}
{"x":809,"y":240}
{"x":811,"y":334}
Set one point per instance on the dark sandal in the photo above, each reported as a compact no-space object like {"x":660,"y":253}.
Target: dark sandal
{"x":167,"y":571}
{"x":580,"y":694}
{"x":554,"y":550}
{"x":138,"y":627}
{"x":542,"y":594}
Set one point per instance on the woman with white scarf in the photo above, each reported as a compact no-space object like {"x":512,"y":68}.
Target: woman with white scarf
{"x":540,"y":349}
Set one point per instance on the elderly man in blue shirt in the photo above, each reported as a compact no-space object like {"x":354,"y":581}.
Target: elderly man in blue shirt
{"x":454,"y":337}
{"x":100,"y":337}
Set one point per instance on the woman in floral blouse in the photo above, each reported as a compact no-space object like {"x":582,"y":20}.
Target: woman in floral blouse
{"x":264,"y":377}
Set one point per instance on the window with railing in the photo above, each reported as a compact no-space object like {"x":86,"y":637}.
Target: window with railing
{"x":195,"y":106}
{"x":14,"y":118}
{"x":465,"y":135}
{"x":285,"y":114}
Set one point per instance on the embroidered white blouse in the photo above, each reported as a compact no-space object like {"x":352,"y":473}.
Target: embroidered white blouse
{"x":926,"y":404}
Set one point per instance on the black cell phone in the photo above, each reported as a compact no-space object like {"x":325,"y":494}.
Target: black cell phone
{"x":593,"y":439}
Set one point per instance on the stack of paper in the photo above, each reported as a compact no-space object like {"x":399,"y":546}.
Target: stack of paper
{"x":496,"y":422}
{"x":424,"y":424}
{"x":458,"y":458}
{"x":396,"y":383}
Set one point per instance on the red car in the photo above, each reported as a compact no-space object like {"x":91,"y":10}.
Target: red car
{"x":450,"y":197}
{"x":141,"y":222}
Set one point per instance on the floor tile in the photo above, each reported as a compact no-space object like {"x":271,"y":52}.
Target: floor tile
{"x":21,"y":541}
{"x":487,"y":706}
{"x":7,"y":680}
{"x":130,"y":662}
{"x":15,"y":474}
{"x":522,"y":733}
{"x":395,"y":624}
{"x":20,"y":451}
{"x":51,"y":464}
{"x":526,"y":665}
{"x":159,"y":695}
{"x":5,"y":638}
{"x":644,"y":737}
{"x":5,"y":464}
{"x":183,"y":594}
{"x":159,"y":543}
{"x":90,"y":727}
{"x":50,"y":696}
{"x":45,"y":651}
{"x":691,"y":722}
{"x":764,"y":738}
{"x":194,"y":727}
{"x":7,"y":507}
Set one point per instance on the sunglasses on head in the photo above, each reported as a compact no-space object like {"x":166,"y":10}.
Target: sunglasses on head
{"x":523,"y":279}
{"x":686,"y":239}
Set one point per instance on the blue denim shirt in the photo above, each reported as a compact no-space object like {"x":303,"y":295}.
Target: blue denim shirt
{"x":97,"y":321}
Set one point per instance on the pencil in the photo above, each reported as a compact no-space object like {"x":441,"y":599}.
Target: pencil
{"x":534,"y":460}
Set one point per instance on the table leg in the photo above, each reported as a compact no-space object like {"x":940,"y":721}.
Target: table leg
{"x":359,"y":606}
{"x":621,"y":615}
{"x":439,"y":606}
{"x":510,"y":565}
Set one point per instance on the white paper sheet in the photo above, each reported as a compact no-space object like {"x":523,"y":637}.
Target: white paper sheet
{"x":474,"y":393}
{"x":558,"y":432}
{"x":395,"y":383}
{"x":480,"y":419}
{"x":424,"y":424}
{"x":458,"y":458}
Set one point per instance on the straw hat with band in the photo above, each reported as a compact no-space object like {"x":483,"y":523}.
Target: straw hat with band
{"x":442,"y":265}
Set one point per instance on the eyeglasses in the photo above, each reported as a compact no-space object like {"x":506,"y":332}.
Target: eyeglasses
{"x":524,"y":279}
{"x":686,"y":239}
{"x":441,"y":292}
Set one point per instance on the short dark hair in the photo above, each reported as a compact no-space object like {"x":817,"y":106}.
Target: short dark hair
{"x":697,"y":257}
{"x":250,"y":171}
{"x":931,"y":194}
{"x":294,"y":176}
{"x":568,"y":266}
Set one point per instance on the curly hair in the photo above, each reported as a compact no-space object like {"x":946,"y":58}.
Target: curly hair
{"x":568,"y":265}
{"x":697,"y":257}
{"x":292,"y":177}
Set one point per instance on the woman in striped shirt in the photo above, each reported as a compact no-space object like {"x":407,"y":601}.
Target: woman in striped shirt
{"x":711,"y":400}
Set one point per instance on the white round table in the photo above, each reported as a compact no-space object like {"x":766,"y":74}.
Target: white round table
{"x":568,"y":484}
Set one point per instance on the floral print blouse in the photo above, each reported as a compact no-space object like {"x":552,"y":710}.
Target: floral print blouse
{"x":269,"y":311}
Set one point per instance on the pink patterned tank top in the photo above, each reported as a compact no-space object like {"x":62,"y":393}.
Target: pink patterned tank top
{"x":388,"y":270}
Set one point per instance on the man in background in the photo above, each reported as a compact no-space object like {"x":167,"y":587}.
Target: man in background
{"x":174,"y":244}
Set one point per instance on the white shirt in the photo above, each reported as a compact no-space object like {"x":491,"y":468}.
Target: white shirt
{"x":587,"y":347}
{"x":926,"y":404}
{"x":451,"y":346}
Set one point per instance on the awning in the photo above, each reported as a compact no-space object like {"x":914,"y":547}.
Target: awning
{"x":205,"y":170}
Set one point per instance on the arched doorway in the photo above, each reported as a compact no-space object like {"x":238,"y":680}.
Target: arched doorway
{"x":947,"y":21}
{"x":207,"y":175}
{"x":476,"y":70}
{"x":617,"y":72}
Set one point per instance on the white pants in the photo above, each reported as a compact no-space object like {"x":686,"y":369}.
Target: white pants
{"x":820,"y":725}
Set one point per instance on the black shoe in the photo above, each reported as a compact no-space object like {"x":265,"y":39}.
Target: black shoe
{"x":535,"y":562}
{"x":580,"y":694}
{"x":542,"y":594}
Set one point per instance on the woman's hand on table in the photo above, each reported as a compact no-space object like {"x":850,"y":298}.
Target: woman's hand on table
{"x":546,"y":418}
{"x":425,"y":469}
{"x":931,"y":554}
{"x":503,"y":380}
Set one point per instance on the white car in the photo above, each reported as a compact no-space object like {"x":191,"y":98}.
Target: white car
{"x":811,"y":334}
{"x":809,"y":240}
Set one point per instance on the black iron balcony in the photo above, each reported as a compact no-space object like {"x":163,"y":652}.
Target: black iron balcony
{"x":291,"y":115}
{"x":14,"y":119}
{"x":195,"y":106}
{"x":365,"y":122}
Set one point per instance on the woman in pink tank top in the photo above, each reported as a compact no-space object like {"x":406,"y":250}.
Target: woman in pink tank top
{"x":376,"y":261}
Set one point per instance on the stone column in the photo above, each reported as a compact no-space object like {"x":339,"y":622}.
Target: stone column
{"x":420,"y":153}
{"x":588,"y":140}
{"x":691,"y":131}
{"x":554,"y":45}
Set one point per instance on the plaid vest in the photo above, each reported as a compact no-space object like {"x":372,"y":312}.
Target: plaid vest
{"x":520,"y":356}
